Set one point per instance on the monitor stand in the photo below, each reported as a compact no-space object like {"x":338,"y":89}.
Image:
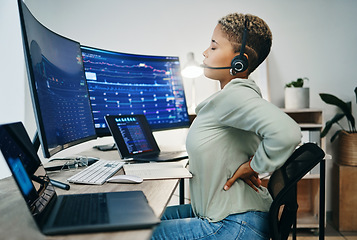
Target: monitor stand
{"x":106,"y":147}
{"x":36,"y":144}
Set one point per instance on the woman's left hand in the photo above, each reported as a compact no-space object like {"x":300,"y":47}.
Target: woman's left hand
{"x":247,"y":174}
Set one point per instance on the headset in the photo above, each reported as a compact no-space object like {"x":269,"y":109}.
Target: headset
{"x":240,"y":62}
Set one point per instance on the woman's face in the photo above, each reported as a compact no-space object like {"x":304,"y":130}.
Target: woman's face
{"x":219,"y":54}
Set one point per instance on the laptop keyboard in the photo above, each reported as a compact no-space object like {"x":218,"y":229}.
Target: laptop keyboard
{"x":97,"y":173}
{"x":82,"y":209}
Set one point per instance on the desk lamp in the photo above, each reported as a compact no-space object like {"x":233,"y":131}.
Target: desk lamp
{"x":192,"y":70}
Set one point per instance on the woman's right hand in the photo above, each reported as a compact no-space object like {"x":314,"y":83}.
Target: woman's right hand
{"x":247,"y":174}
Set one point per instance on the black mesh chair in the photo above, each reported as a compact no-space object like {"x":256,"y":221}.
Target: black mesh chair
{"x":282,"y":186}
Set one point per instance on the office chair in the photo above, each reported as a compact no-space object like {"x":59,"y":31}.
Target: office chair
{"x":282,"y":186}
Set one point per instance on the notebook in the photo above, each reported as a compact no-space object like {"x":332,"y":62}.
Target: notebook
{"x":159,"y":170}
{"x":75,"y":213}
{"x":135,"y":140}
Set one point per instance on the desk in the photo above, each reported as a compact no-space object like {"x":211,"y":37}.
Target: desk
{"x":16,"y":221}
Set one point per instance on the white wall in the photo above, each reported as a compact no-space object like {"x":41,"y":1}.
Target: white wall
{"x":12,"y":69}
{"x":314,"y":39}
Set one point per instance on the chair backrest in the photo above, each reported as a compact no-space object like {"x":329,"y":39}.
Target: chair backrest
{"x":282,"y":186}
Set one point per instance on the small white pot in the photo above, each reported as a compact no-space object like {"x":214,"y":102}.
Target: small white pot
{"x":297,"y":98}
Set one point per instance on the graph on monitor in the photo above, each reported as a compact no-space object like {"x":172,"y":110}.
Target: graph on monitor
{"x":123,"y":84}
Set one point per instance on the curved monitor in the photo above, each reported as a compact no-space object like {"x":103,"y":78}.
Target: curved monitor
{"x":57,"y":84}
{"x":127,"y":84}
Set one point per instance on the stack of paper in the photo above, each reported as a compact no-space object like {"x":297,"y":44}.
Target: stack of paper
{"x":158,"y":170}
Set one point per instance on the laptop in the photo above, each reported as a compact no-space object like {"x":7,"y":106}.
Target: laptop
{"x":134,"y":139}
{"x":66,"y":214}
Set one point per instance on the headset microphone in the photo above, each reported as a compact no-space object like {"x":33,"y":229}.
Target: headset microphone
{"x":206,"y":66}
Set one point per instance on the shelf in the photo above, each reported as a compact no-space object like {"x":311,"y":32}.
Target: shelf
{"x":303,"y":110}
{"x":308,"y":188}
{"x":310,"y":125}
{"x":306,"y":116}
{"x":307,"y":220}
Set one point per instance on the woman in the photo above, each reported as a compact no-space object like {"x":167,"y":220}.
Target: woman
{"x":235,"y":136}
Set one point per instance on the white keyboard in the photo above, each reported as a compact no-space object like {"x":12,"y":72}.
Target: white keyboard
{"x":97,"y":173}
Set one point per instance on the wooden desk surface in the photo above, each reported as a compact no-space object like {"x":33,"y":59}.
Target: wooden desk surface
{"x":16,"y":221}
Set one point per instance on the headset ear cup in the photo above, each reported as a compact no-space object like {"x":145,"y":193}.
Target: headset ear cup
{"x":239,"y":63}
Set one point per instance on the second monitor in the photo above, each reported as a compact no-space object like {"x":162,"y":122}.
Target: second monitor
{"x":126,"y":84}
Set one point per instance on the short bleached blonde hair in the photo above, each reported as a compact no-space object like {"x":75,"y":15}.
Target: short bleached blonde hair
{"x":259,"y":38}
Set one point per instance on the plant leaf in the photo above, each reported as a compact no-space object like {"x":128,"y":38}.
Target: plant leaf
{"x":335,"y":135}
{"x":299,"y":82}
{"x":329,"y":124}
{"x":331,"y":99}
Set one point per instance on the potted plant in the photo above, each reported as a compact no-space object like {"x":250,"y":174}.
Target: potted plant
{"x":296,"y":95}
{"x":347,"y":144}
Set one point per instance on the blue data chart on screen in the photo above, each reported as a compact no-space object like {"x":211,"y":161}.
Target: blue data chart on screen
{"x":134,"y":136}
{"x":124,"y":84}
{"x":64,"y":103}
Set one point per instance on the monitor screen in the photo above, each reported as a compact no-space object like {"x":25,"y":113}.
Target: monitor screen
{"x":57,"y":84}
{"x":127,"y":84}
{"x":132,"y":131}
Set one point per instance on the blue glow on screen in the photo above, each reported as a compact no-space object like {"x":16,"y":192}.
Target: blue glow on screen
{"x":21,"y":175}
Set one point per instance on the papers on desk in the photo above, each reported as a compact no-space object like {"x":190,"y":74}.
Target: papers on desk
{"x":156,"y":170}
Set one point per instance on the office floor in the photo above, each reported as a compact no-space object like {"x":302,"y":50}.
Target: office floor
{"x":330,"y":234}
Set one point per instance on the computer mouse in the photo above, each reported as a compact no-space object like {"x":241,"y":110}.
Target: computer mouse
{"x":125,"y":179}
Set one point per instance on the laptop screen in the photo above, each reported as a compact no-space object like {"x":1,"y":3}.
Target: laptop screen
{"x":132,"y":134}
{"x":28,"y":172}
